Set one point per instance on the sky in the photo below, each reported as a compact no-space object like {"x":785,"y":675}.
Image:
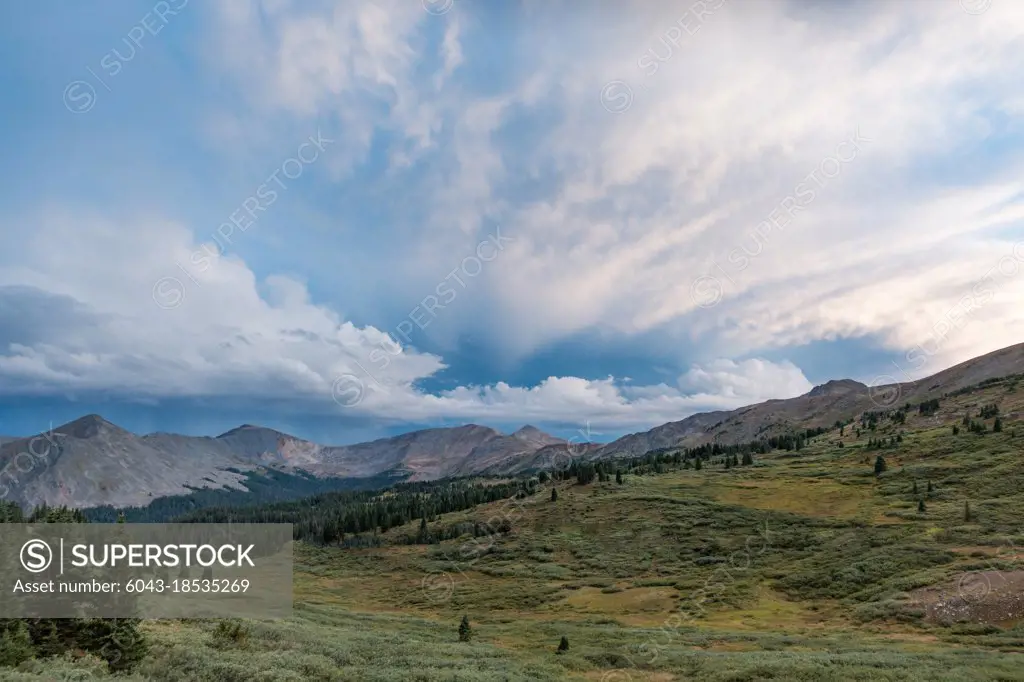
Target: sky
{"x":349,"y":220}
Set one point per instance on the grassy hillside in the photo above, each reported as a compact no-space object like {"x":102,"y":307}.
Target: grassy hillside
{"x":805,"y":565}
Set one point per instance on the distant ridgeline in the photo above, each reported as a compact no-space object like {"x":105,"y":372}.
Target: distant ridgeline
{"x":263,"y":488}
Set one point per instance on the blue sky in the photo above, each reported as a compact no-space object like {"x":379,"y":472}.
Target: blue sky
{"x":348,"y":220}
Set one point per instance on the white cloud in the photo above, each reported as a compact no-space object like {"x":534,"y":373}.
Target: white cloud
{"x":89,"y":332}
{"x":749,"y":381}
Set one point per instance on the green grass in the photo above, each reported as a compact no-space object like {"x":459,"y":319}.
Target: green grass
{"x":801,"y":567}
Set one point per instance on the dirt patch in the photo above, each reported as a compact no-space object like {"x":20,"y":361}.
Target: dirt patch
{"x":992,"y":597}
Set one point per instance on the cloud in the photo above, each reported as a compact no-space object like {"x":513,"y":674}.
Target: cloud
{"x":749,"y":381}
{"x":231,"y":336}
{"x":761,"y":176}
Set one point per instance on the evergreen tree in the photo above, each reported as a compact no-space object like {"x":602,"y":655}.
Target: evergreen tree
{"x":956,"y":430}
{"x":967,"y":510}
{"x":117,"y":641}
{"x":542,"y":477}
{"x":920,"y":505}
{"x":618,"y":477}
{"x":915,"y":488}
{"x":465,"y":632}
{"x":998,"y":425}
{"x":929,"y":487}
{"x":879,"y":465}
{"x":697,"y":465}
{"x":15,"y":643}
{"x":554,"y":494}
{"x":563,"y":646}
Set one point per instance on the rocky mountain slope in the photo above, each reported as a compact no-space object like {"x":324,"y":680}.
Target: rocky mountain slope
{"x":822,"y":406}
{"x":92,"y":462}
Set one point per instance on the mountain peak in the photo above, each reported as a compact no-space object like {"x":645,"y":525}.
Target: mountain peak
{"x":87,"y":426}
{"x":838,"y":387}
{"x":531,"y":434}
{"x":246,"y":428}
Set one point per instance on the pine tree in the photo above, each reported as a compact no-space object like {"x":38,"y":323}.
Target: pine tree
{"x":915,"y":487}
{"x":929,"y":487}
{"x":554,"y":494}
{"x":697,"y":465}
{"x":998,"y":425}
{"x":920,"y":505}
{"x":618,"y":477}
{"x":967,"y":510}
{"x":563,"y":646}
{"x":117,"y":641}
{"x":465,"y":632}
{"x":956,"y":430}
{"x":879,"y":465}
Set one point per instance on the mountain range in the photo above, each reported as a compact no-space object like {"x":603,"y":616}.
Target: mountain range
{"x":92,"y":462}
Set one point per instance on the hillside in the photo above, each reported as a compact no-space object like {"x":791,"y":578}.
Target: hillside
{"x":820,"y":407}
{"x":804,"y":565}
